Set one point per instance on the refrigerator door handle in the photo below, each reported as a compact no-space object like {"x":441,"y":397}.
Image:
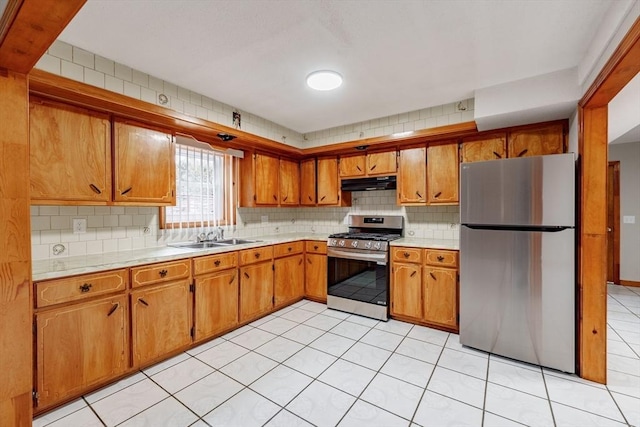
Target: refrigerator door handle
{"x":542,"y":228}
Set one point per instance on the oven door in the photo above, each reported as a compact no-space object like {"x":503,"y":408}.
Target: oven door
{"x":358,"y":282}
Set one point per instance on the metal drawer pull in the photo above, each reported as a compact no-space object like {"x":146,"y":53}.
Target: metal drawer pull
{"x":406,"y":254}
{"x":289,"y":248}
{"x":433,"y":276}
{"x":315,"y":248}
{"x":143,"y":302}
{"x":162,"y":273}
{"x":86,"y":287}
{"x":216,"y":262}
{"x":440,"y":258}
{"x":257,"y":255}
{"x":126,"y":190}
{"x":95,"y":189}
{"x":413,"y":274}
{"x":113,"y":309}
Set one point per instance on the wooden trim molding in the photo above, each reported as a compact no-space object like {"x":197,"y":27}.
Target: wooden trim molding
{"x":6,"y":20}
{"x":613,"y":222}
{"x":633,"y":283}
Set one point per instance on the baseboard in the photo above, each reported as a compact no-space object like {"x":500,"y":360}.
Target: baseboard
{"x":630,"y":283}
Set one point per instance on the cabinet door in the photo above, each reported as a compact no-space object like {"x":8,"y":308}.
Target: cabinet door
{"x":316,"y":276}
{"x":80,"y":345}
{"x":406,"y":290}
{"x":490,"y":147}
{"x":328,"y":184}
{"x":267,"y":170}
{"x":352,"y":166}
{"x":69,"y":154}
{"x":144,"y":170}
{"x":442,"y":174}
{"x":308,"y":182}
{"x":441,"y":296}
{"x":216,"y":303}
{"x":289,"y":182}
{"x":161,"y":317}
{"x":536,"y":141}
{"x":288,"y":279}
{"x":256,"y":290}
{"x":412,"y":176}
{"x":384,"y":163}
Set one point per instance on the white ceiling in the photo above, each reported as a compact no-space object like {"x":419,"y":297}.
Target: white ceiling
{"x":395,"y":56}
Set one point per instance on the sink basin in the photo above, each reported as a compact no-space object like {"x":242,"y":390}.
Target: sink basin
{"x":211,"y":244}
{"x":234,"y":241}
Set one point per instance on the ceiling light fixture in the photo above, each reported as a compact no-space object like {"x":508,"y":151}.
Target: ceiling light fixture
{"x":324,"y":80}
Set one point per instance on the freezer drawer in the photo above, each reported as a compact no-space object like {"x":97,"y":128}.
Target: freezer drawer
{"x":517,"y":295}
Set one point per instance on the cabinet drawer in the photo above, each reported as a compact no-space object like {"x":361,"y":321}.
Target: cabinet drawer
{"x":406,"y":254}
{"x":442,"y":258}
{"x":211,"y":263}
{"x":286,"y":249}
{"x":315,"y":247}
{"x":251,"y":256}
{"x":157,"y":273}
{"x":68,"y":289}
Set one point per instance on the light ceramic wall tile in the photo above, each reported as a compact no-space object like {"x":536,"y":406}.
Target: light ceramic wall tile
{"x":72,"y":71}
{"x":61,"y":50}
{"x":68,"y":210}
{"x":123,"y":72}
{"x":156,"y":84}
{"x":132,"y":90}
{"x":39,"y":252}
{"x":105,"y":65}
{"x":170,"y":89}
{"x":140,"y":78}
{"x":77,"y":248}
{"x":60,"y":222}
{"x":49,"y":236}
{"x":49,"y":63}
{"x":184,"y":94}
{"x":86,"y":210}
{"x":40,"y":223}
{"x":148,"y":95}
{"x":84,"y":58}
{"x":114,"y":84}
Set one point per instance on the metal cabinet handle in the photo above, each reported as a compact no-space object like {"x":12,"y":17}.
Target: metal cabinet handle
{"x":498,"y":156}
{"x":309,"y":261}
{"x":310,"y":199}
{"x":418,"y":194}
{"x":433,"y":276}
{"x":247,"y":275}
{"x":85,"y":287}
{"x":413,"y":274}
{"x":126,"y":190}
{"x":437,"y":194}
{"x":284,"y":199}
{"x":232,"y":279}
{"x":95,"y":189}
{"x":373,"y":167}
{"x":113,"y":309}
{"x":275,"y":197}
{"x":440,"y":258}
{"x":162,"y":273}
{"x":300,"y":262}
{"x":216,"y":262}
{"x":358,"y":167}
{"x":322,"y":198}
{"x":143,"y":302}
{"x":523,"y":152}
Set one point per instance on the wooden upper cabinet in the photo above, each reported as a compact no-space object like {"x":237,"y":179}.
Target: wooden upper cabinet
{"x":352,"y":166}
{"x":537,"y":141}
{"x":442,"y":174}
{"x":308,"y":182}
{"x":412,"y":176}
{"x":382,"y":163}
{"x":328,"y":184}
{"x":289,"y":182}
{"x":70,"y":154}
{"x":267,"y":170}
{"x":488,"y":147}
{"x":144,"y":170}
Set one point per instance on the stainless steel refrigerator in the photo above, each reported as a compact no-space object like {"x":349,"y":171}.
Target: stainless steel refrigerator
{"x":517,"y":259}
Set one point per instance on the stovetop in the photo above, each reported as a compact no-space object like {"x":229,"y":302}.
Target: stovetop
{"x":378,"y":237}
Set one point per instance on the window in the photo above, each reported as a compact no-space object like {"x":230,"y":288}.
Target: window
{"x":204,"y":189}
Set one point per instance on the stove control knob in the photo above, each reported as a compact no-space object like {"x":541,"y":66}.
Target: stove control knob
{"x":333,"y":242}
{"x":377,"y":245}
{"x":354,"y":244}
{"x":341,"y":243}
{"x":367,"y":245}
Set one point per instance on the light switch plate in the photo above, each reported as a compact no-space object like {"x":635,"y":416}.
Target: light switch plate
{"x":79,"y":225}
{"x":629,"y":219}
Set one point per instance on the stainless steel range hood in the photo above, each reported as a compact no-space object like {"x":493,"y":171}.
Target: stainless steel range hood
{"x":368,"y":184}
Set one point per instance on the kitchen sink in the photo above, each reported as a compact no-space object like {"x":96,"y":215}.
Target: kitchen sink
{"x":234,"y":241}
{"x":211,"y":244}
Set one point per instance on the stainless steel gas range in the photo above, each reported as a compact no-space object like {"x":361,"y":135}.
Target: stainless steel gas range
{"x":358,"y":265}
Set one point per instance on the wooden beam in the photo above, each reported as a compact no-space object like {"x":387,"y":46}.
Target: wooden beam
{"x":35,"y":26}
{"x":7,"y":18}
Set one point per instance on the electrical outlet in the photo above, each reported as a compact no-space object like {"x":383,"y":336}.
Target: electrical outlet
{"x":79,"y":225}
{"x":629,"y":219}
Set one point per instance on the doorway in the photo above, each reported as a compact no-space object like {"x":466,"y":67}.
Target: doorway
{"x":613,"y":222}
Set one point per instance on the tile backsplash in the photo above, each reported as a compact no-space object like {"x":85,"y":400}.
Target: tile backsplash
{"x":113,"y":229}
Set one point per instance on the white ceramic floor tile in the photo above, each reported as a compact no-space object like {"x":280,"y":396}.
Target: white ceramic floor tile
{"x":408,"y":369}
{"x":361,"y":320}
{"x":321,"y":404}
{"x":453,"y":342}
{"x":281,"y":385}
{"x":181,"y":375}
{"x":493,"y":420}
{"x":278,"y":325}
{"x":279,"y":349}
{"x":395,"y":327}
{"x":222,"y":354}
{"x":582,"y":396}
{"x":625,"y":317}
{"x":420,"y":350}
{"x":59,"y":413}
{"x":620,"y":348}
{"x":367,"y":355}
{"x":382,"y":339}
{"x":285,"y":418}
{"x":567,"y":416}
{"x":245,"y":409}
{"x":434,"y":336}
{"x":313,"y":306}
{"x":347,"y":376}
{"x":623,"y":383}
{"x":469,"y":390}
{"x":518,"y":378}
{"x":630,"y":407}
{"x":518,"y":406}
{"x":168,"y":412}
{"x":571,"y":377}
{"x":298,"y":315}
{"x":626,"y":365}
{"x":623,"y":326}
{"x":205,"y":346}
{"x":262,"y":320}
{"x":322,"y":322}
{"x":285,"y":310}
{"x":253,"y":339}
{"x":332,"y":344}
{"x":208,"y":393}
{"x":350,"y":330}
{"x":363,"y":414}
{"x":393,"y":395}
{"x":516,"y":363}
{"x":438,"y":410}
{"x":299,"y":303}
{"x":236,"y":332}
{"x":248,"y":368}
{"x":128,"y":402}
{"x":303,"y":334}
{"x":335,"y":313}
{"x":464,"y":363}
{"x":154,"y":369}
{"x":82,"y":418}
{"x":631,"y":337}
{"x":110,"y":389}
{"x":310,"y":361}
{"x":199,"y":423}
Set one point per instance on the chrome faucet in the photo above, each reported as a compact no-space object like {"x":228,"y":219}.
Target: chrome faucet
{"x":201,"y":237}
{"x":220,"y":233}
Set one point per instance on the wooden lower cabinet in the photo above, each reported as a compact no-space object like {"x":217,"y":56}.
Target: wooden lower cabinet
{"x":79,"y":346}
{"x":406,"y":290}
{"x":288,"y":279}
{"x":216,"y":303}
{"x":315,"y":284}
{"x":256,"y":290}
{"x":161,"y":320}
{"x":441,"y":296}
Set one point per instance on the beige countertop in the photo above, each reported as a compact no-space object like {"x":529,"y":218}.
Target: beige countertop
{"x":70,"y":266}
{"x":416,"y":242}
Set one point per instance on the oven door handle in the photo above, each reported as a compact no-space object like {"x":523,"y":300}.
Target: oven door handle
{"x":379,"y":258}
